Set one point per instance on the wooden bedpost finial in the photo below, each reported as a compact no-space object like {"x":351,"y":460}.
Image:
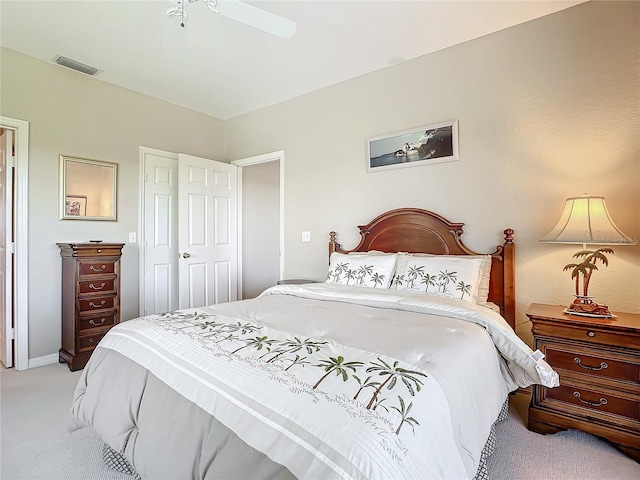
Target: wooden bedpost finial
{"x":508,"y":235}
{"x":333,"y":245}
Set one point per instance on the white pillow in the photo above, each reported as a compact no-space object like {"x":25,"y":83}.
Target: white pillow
{"x":448,"y":276}
{"x":485,"y":280}
{"x":374,"y":271}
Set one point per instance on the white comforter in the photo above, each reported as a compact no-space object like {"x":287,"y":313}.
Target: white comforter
{"x":406,"y":386}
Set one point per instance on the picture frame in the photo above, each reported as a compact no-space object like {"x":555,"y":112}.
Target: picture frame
{"x":76,"y":206}
{"x":427,"y":145}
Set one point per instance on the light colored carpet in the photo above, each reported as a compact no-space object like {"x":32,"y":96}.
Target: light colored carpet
{"x":34,"y":443}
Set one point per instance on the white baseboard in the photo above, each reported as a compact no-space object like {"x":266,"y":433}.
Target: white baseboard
{"x":42,"y":361}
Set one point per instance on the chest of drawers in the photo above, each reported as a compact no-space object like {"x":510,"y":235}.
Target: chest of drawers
{"x":598,"y":361}
{"x":90,"y":298}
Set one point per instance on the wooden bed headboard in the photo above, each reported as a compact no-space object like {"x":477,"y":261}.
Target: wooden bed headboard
{"x":414,"y":230}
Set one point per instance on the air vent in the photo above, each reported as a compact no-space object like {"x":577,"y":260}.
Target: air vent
{"x":73,"y":65}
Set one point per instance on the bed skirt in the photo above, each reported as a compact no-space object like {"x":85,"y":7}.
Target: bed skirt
{"x":490,"y":446}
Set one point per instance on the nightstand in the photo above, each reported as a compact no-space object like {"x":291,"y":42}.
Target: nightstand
{"x":598,"y":361}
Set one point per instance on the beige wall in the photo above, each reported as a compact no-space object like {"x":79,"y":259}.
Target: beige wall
{"x":547,"y":110}
{"x":75,"y":115}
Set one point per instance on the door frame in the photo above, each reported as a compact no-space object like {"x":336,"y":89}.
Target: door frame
{"x":20,"y":211}
{"x":246,"y":162}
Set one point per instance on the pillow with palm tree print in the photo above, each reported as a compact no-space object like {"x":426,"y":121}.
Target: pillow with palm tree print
{"x":362,"y":270}
{"x":446,"y":276}
{"x":485,"y":279}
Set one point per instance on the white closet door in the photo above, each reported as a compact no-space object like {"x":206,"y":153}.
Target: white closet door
{"x":161,"y":233}
{"x":207,"y":231}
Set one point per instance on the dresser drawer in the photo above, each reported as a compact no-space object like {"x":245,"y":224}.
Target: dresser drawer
{"x":98,"y":321}
{"x":89,"y":342}
{"x":87,"y":267}
{"x":99,"y":251}
{"x":90,"y":305}
{"x":594,"y":364}
{"x":94,"y":286}
{"x":598,"y":404}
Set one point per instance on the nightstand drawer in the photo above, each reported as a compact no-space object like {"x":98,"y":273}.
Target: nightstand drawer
{"x":596,"y":364}
{"x":591,"y":334}
{"x":601,"y":404}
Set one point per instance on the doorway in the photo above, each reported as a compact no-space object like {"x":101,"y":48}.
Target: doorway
{"x":260,"y":227}
{"x":261,"y":220}
{"x":7,"y":160}
{"x":15,"y":320}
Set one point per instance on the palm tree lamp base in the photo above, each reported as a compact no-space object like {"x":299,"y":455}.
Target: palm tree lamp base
{"x":586,"y":307}
{"x":586,"y":220}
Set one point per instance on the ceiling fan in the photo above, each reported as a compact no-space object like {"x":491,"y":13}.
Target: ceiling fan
{"x":243,"y":13}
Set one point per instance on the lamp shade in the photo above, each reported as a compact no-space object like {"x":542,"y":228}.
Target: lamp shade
{"x":586,"y":220}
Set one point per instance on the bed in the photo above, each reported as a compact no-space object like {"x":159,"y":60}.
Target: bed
{"x":396,"y":366}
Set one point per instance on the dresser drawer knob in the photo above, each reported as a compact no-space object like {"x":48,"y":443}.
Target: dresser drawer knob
{"x":93,"y":322}
{"x":101,"y":269}
{"x":601,"y":367}
{"x":603,"y":401}
{"x":91,"y":304}
{"x":591,"y":334}
{"x":93,"y":287}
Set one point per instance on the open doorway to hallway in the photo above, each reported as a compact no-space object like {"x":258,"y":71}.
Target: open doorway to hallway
{"x":260,"y":227}
{"x":261,"y":219}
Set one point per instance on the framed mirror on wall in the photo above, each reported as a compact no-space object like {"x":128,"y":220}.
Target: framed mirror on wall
{"x":88,"y":189}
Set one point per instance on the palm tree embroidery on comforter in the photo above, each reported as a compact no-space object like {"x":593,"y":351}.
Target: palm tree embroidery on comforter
{"x":284,"y":355}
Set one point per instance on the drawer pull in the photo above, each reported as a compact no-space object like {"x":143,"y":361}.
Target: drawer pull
{"x":93,"y":287}
{"x":93,"y":322}
{"x":591,"y":334}
{"x":102,"y":268}
{"x":595,"y":369}
{"x":94,"y":340}
{"x":603,"y":401}
{"x":91,"y":304}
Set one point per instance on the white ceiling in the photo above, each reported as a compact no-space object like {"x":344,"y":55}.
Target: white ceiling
{"x":224,"y":68}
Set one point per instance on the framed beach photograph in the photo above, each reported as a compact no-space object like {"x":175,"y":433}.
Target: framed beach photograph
{"x":410,"y":148}
{"x":76,"y":206}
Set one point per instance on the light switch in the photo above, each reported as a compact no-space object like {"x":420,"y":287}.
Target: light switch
{"x":306,"y":236}
{"x":132,"y":237}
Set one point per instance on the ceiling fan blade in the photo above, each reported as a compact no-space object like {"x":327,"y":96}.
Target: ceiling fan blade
{"x":257,"y":18}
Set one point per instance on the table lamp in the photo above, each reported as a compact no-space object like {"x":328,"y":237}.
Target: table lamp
{"x":586,"y":220}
